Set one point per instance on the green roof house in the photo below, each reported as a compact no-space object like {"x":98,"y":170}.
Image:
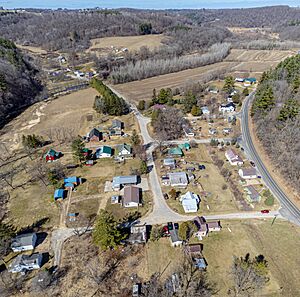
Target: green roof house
{"x":176,"y":151}
{"x":185,"y":146}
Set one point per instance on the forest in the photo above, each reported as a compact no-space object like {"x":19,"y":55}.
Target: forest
{"x":276,"y":112}
{"x":19,"y":83}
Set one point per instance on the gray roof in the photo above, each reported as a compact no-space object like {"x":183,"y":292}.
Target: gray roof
{"x":178,"y":178}
{"x":22,"y":240}
{"x":174,"y":235}
{"x":26,"y":259}
{"x":169,"y":161}
{"x":117,"y":124}
{"x":124,"y":180}
{"x":248,"y":171}
{"x":132,"y":194}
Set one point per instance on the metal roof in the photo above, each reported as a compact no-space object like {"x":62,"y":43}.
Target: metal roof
{"x":23,"y":240}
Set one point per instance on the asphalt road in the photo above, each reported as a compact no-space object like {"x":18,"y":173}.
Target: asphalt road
{"x":289,"y":210}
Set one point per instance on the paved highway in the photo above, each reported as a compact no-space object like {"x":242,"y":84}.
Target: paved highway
{"x":289,"y":210}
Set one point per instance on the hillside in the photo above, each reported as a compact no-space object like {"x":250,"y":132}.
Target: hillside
{"x":276,"y":112}
{"x":19,"y":85}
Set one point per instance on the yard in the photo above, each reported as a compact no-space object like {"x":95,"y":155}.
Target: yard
{"x":215,"y":198}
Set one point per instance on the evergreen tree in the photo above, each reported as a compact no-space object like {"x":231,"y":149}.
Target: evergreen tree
{"x":6,"y":235}
{"x":289,"y":110}
{"x":229,"y":84}
{"x":143,"y":167}
{"x":246,"y":92}
{"x":135,"y":138}
{"x":77,"y":149}
{"x":106,"y":233}
{"x":141,"y":105}
{"x":195,"y":111}
{"x":189,"y":101}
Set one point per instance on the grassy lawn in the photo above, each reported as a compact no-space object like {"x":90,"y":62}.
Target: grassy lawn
{"x":278,"y":243}
{"x":120,"y":212}
{"x":33,"y":203}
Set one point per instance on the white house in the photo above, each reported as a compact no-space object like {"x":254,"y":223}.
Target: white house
{"x":233,"y":158}
{"x":247,"y":173}
{"x":205,"y":110}
{"x":132,"y":196}
{"x":178,"y":179}
{"x":23,"y":263}
{"x":230,"y":107}
{"x":190,"y":202}
{"x":103,"y":152}
{"x":24,"y":242}
{"x":124,"y":150}
{"x":175,"y":240}
{"x":239,"y":79}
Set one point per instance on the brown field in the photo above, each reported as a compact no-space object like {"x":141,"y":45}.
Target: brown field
{"x":32,"y":49}
{"x":132,"y":43}
{"x":253,"y":62}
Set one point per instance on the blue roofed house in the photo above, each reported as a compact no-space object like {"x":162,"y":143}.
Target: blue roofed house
{"x":103,"y":152}
{"x":59,"y":194}
{"x":190,"y":202}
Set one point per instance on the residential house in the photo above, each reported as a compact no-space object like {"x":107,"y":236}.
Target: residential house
{"x":248,"y":173}
{"x":115,"y":199}
{"x":229,"y":107}
{"x":124,"y":151}
{"x":120,"y":181}
{"x":178,"y":179}
{"x":24,"y":242}
{"x":251,"y":80}
{"x":252,"y":194}
{"x":205,"y":110}
{"x":239,"y":79}
{"x":175,"y":152}
{"x":233,"y":158}
{"x":132,"y":196}
{"x":103,"y":152}
{"x":193,"y":249}
{"x":213,"y":226}
{"x":212,"y":131}
{"x":23,"y":263}
{"x":174,"y":237}
{"x":170,"y":163}
{"x":213,"y":90}
{"x":95,"y":135}
{"x":190,"y":202}
{"x":188,"y":131}
{"x":227,"y":130}
{"x":59,"y":194}
{"x":201,"y":226}
{"x":138,"y":234}
{"x":185,"y":146}
{"x":116,"y":128}
{"x":52,"y":155}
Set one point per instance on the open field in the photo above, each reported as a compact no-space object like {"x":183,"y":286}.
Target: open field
{"x":32,"y":49}
{"x":278,"y":243}
{"x":132,"y":43}
{"x":252,"y":62}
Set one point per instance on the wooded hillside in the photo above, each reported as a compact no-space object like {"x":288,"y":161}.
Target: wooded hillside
{"x":276,"y":112}
{"x":19,"y":86}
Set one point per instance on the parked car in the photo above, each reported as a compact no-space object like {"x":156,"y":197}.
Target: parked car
{"x":176,"y":226}
{"x":202,"y":167}
{"x":170,"y":226}
{"x":165,"y":230}
{"x":166,"y":196}
{"x":252,"y":163}
{"x":265,"y":211}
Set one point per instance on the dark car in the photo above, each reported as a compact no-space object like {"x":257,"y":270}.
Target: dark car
{"x":170,"y":226}
{"x":252,"y":163}
{"x":265,"y":211}
{"x":202,"y":167}
{"x":176,"y":226}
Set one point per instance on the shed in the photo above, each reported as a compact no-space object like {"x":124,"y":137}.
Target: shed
{"x":59,"y":194}
{"x":170,"y":162}
{"x":72,"y":180}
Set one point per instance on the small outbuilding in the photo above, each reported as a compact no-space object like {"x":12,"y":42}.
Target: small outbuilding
{"x":59,"y":194}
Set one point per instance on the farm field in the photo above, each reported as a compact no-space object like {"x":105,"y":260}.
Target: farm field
{"x":239,"y":62}
{"x":104,"y":45}
{"x":278,"y":243}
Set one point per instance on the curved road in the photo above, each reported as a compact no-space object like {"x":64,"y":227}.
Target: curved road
{"x":290,"y":211}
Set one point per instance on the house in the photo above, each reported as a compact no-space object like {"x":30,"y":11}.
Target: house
{"x":233,"y":158}
{"x":212,"y":131}
{"x":23,"y":263}
{"x":24,"y":242}
{"x":248,"y":173}
{"x":193,"y":249}
{"x":138,"y":234}
{"x":205,"y":110}
{"x":170,"y":162}
{"x":103,"y":152}
{"x":175,"y":152}
{"x":59,"y":194}
{"x":136,"y":290}
{"x":252,"y":194}
{"x":201,"y":227}
{"x":117,"y":125}
{"x":174,"y":237}
{"x":86,"y":152}
{"x":73,"y":180}
{"x":132,"y":196}
{"x":200,"y":263}
{"x":188,"y":131}
{"x":213,"y":226}
{"x":213,"y":90}
{"x":227,"y":130}
{"x":52,"y":155}
{"x":124,"y":151}
{"x":178,"y":179}
{"x":190,"y":202}
{"x":250,"y":80}
{"x":185,"y":146}
{"x":115,"y":199}
{"x":95,"y":135}
{"x":119,"y":181}
{"x":239,"y":79}
{"x":229,"y":107}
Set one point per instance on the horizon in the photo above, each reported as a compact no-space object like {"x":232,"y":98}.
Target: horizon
{"x":136,"y":4}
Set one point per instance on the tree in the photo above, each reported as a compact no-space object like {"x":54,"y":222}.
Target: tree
{"x":229,"y":84}
{"x":236,"y":98}
{"x":32,"y":141}
{"x":189,"y":101}
{"x":246,"y":92}
{"x":135,"y":139}
{"x":249,"y":275}
{"x":6,"y":235}
{"x":145,"y":28}
{"x":77,"y":149}
{"x":195,"y":111}
{"x":173,"y":194}
{"x":141,"y":105}
{"x":156,"y":233}
{"x":106,"y":233}
{"x":143,"y":167}
{"x":186,"y":230}
{"x":289,"y":110}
